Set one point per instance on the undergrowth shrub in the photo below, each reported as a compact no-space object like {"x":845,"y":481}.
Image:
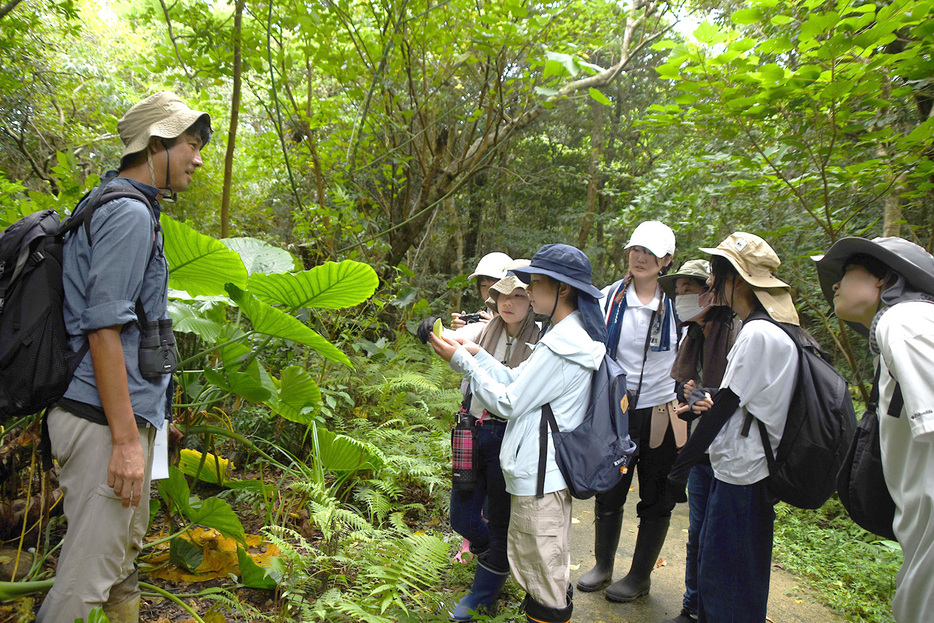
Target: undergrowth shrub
{"x":853,"y":569}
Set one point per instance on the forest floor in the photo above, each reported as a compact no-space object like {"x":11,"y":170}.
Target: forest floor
{"x":216,"y":596}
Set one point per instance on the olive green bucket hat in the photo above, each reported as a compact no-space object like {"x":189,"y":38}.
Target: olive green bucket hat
{"x":162,"y":115}
{"x":692,"y":269}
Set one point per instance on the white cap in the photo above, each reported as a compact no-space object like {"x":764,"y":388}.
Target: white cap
{"x":492,"y":265}
{"x":654,"y":236}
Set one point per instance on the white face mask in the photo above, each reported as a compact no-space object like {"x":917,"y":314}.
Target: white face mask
{"x":688,"y":306}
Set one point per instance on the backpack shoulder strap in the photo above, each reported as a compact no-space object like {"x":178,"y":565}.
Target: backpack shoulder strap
{"x":83,"y":217}
{"x":548,"y":419}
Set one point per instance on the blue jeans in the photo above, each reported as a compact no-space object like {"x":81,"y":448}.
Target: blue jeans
{"x":735,"y":555}
{"x":700,"y":479}
{"x":467,"y":506}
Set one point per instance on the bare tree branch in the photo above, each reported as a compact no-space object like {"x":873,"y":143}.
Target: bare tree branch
{"x":9,"y":6}
{"x":168,"y":23}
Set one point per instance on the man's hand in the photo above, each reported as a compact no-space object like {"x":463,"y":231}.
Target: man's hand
{"x":126,"y":468}
{"x":125,"y":471}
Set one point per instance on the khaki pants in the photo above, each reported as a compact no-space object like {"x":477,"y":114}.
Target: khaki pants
{"x":539,"y":546}
{"x":103,"y":539}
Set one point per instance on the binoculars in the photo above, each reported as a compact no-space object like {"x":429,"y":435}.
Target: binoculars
{"x":157,"y":354}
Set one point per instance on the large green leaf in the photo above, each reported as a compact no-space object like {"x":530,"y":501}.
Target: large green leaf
{"x":330,"y":286}
{"x":186,"y":319}
{"x":251,"y":574}
{"x":199,"y":264}
{"x":211,"y":513}
{"x":185,"y":554}
{"x":175,"y":489}
{"x":262,"y":257}
{"x":339,"y":453}
{"x":268,"y":320}
{"x":297,"y":392}
{"x":216,"y":513}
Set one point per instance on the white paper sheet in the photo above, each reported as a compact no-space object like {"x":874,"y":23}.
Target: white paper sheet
{"x":160,"y":454}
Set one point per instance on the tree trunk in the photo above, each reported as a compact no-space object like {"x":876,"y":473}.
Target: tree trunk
{"x":441,"y":181}
{"x":234,"y":119}
{"x":595,"y":178}
{"x":892,"y":217}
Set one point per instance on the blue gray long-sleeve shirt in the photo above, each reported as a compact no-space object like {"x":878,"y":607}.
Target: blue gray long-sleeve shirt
{"x":102,"y":282}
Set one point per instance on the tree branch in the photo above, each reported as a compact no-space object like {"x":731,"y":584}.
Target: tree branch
{"x":9,"y":6}
{"x":168,"y":23}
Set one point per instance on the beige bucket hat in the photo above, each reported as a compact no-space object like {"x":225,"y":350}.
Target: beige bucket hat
{"x":162,"y":114}
{"x":507,"y":284}
{"x":754,"y":260}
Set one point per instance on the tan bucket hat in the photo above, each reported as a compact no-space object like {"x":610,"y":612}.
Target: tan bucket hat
{"x":754,"y":260}
{"x":162,"y":114}
{"x":507,"y":284}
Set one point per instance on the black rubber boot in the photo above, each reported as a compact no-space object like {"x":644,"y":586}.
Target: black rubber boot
{"x":487,"y":585}
{"x":684,"y":617}
{"x":538,"y":613}
{"x":605,"y":541}
{"x":649,"y":543}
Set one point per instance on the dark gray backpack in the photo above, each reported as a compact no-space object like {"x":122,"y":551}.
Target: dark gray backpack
{"x":820,"y":425}
{"x":36,"y":362}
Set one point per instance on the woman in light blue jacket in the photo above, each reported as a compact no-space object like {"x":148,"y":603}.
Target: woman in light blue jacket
{"x":558,"y":372}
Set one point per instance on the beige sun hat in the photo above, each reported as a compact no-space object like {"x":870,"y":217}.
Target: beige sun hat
{"x":508,"y":284}
{"x":754,"y":260}
{"x":162,"y":114}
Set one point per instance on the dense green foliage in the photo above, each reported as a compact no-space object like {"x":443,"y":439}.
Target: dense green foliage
{"x":367,"y":153}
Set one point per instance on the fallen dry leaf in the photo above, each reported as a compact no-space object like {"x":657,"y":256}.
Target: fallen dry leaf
{"x":220,"y":556}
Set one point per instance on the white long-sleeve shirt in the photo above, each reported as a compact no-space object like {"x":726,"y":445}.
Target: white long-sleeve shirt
{"x":905,"y":335}
{"x":559,"y":372}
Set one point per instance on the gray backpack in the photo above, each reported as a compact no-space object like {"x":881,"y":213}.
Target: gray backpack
{"x":594,"y":456}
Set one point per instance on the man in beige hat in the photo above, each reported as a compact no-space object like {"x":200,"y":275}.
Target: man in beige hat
{"x":102,"y":430}
{"x":735,"y":549}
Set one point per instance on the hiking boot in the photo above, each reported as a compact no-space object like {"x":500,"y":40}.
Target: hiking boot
{"x":684,"y":617}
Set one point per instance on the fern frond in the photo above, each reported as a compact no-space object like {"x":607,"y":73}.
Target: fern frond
{"x":376,"y":502}
{"x":406,"y":566}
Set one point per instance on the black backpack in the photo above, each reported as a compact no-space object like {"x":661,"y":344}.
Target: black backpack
{"x":861,"y":483}
{"x":594,"y":456}
{"x":36,"y":362}
{"x":820,"y":425}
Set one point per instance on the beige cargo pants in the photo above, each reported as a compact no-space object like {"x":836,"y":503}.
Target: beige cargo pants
{"x":539,"y":546}
{"x":96,"y":566}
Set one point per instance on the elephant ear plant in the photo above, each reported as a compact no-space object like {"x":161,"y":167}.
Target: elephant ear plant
{"x":235,"y":298}
{"x":241,"y":296}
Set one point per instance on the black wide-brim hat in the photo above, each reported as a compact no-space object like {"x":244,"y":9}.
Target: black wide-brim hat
{"x":906,"y":258}
{"x":563,"y":263}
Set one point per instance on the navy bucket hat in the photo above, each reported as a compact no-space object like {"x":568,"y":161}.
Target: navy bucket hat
{"x":563,"y":263}
{"x":569,"y":265}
